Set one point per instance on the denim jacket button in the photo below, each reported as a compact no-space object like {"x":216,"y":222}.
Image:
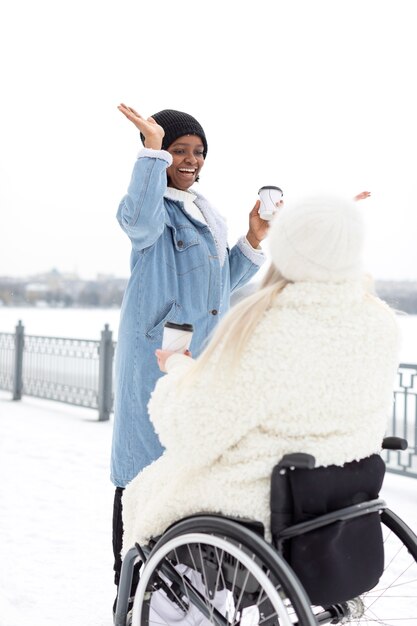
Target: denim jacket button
{"x":180,"y":244}
{"x":214,"y":312}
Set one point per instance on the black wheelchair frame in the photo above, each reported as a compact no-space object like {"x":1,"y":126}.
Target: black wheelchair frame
{"x":231,"y":556}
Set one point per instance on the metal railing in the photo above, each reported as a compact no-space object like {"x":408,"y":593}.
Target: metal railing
{"x":80,"y":372}
{"x":404,"y":422}
{"x":74,"y":371}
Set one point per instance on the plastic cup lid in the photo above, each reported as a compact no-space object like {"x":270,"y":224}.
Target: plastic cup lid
{"x":185,"y":327}
{"x":271,"y":187}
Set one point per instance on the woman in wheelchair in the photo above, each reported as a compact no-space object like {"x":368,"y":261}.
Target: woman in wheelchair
{"x":306,"y":364}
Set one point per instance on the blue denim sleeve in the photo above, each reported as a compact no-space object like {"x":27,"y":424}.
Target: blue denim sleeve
{"x":141,"y":212}
{"x":243,"y":265}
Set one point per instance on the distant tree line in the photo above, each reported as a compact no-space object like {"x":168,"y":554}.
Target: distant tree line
{"x":401,"y":295}
{"x":59,"y":290}
{"x":68,"y":290}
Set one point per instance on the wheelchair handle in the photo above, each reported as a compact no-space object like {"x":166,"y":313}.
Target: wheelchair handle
{"x":297,"y":460}
{"x":394,"y":443}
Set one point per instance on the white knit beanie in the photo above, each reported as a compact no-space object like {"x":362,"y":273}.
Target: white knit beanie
{"x":318,"y":239}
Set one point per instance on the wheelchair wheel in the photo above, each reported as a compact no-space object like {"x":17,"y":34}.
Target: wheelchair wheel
{"x":393,"y":602}
{"x":211,"y":570}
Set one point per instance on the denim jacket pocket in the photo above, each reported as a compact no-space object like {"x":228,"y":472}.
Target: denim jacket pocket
{"x":169,"y":315}
{"x":187,"y":251}
{"x":184,"y":237}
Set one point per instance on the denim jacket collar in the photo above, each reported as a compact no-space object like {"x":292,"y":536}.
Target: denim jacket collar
{"x":215,"y":222}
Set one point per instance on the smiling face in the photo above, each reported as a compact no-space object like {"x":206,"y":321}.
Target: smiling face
{"x":187,"y":161}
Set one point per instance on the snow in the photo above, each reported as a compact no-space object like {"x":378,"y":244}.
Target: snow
{"x":66,"y":322}
{"x":55,"y":515}
{"x":56,"y":510}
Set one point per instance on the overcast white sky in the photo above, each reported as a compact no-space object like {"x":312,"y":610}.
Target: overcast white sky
{"x":308,"y":95}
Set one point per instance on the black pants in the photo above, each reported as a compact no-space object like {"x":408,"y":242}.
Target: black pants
{"x":117,"y":533}
{"x":117,"y":545}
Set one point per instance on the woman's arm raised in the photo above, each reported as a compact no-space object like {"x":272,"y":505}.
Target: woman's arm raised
{"x":152,"y":132}
{"x":141,"y":211}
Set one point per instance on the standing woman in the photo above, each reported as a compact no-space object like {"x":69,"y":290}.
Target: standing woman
{"x":181,"y":271}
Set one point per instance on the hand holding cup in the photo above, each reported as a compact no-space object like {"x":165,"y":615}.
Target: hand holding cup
{"x":162,"y":357}
{"x":177,"y":337}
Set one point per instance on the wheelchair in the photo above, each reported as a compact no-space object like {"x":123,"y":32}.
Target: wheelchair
{"x":338,"y":555}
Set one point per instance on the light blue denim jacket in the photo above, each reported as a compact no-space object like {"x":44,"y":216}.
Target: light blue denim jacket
{"x":181,"y":271}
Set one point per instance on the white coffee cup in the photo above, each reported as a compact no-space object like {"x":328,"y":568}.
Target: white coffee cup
{"x":269,"y":196}
{"x":177,"y":337}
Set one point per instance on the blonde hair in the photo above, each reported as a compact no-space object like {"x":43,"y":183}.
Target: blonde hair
{"x":233,"y":332}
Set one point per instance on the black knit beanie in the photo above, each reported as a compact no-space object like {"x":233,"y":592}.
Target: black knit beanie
{"x":176,"y":124}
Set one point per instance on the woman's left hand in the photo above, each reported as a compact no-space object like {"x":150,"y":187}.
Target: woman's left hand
{"x":258,"y":228}
{"x":163,"y":355}
{"x":362,"y":195}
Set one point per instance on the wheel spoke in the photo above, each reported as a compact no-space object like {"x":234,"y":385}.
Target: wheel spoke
{"x":223,"y":581}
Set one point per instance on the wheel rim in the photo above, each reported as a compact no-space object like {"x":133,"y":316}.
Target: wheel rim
{"x":230,"y":599}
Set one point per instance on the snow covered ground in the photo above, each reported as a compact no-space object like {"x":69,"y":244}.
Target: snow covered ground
{"x":55,"y":514}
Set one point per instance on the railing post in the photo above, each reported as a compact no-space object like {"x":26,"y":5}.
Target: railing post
{"x":105,"y":374}
{"x":19,"y":340}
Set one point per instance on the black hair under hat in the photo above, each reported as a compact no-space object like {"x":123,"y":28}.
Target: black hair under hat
{"x":176,"y":124}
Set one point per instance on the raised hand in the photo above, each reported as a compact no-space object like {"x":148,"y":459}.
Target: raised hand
{"x":152,"y":132}
{"x":362,"y":196}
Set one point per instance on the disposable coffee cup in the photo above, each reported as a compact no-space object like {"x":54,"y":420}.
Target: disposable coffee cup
{"x":177,"y":337}
{"x":269,"y":196}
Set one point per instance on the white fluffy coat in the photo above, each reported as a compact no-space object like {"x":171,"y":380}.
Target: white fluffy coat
{"x":317,"y":376}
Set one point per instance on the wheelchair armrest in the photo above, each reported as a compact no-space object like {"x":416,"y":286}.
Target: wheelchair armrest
{"x":297,"y":460}
{"x":394,"y":443}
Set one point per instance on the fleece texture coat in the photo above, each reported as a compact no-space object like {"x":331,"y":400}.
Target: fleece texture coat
{"x":316,"y":376}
